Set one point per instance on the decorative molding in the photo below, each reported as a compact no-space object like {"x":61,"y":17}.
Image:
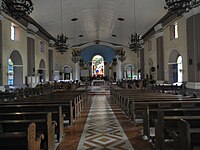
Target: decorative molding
{"x":1,"y":17}
{"x":159,"y":34}
{"x":30,"y":35}
{"x":158,"y":27}
{"x":32,"y":27}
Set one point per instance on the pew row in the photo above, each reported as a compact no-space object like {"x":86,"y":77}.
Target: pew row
{"x":45,"y":126}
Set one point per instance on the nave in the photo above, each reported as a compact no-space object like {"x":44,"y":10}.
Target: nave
{"x":102,"y":125}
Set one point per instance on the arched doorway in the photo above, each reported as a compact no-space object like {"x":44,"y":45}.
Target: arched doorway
{"x":151,"y":69}
{"x":175,"y":66}
{"x":15,"y":69}
{"x":129,"y":72}
{"x":67,"y":70}
{"x":42,"y":71}
{"x":97,"y":66}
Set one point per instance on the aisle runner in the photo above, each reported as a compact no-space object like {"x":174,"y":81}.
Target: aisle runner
{"x":102,"y":129}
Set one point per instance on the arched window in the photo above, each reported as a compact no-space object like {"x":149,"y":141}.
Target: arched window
{"x":129,"y":72}
{"x":180,"y":68}
{"x":97,"y":66}
{"x":10,"y":72}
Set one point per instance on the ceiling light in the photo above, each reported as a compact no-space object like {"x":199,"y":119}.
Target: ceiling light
{"x":180,"y":6}
{"x":61,"y":40}
{"x":136,"y":40}
{"x":17,"y":8}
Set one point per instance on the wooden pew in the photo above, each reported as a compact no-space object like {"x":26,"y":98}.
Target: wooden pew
{"x":187,"y":135}
{"x":44,"y":125}
{"x":150,"y":115}
{"x":21,"y":140}
{"x":57,"y":116}
{"x":166,"y":124}
{"x":34,"y":111}
{"x":47,"y":105}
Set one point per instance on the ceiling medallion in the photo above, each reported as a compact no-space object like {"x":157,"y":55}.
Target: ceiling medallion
{"x":17,"y":8}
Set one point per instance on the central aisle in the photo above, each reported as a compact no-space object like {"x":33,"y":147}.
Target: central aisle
{"x":102,"y":129}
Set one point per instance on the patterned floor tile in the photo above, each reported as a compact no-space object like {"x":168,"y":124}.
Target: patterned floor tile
{"x":102,"y":130}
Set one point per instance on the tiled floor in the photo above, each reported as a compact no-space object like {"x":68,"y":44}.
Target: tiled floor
{"x":102,"y":125}
{"x":102,"y":129}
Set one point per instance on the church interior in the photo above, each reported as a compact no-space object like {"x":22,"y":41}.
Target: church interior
{"x":99,"y":74}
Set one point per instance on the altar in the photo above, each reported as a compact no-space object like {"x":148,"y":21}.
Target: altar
{"x":98,"y":82}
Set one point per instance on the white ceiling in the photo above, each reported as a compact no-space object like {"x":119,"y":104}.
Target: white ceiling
{"x":97,"y":19}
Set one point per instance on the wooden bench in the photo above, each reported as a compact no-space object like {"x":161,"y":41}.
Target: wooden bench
{"x":45,"y":126}
{"x":21,"y":140}
{"x":57,"y":116}
{"x":166,"y":124}
{"x":187,"y":135}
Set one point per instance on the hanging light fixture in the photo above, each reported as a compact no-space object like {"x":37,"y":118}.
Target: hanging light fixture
{"x":75,"y":55}
{"x":61,"y":40}
{"x":114,"y":61}
{"x":180,"y":6}
{"x":120,"y":53}
{"x":17,"y":8}
{"x":136,"y":40}
{"x":81,"y":62}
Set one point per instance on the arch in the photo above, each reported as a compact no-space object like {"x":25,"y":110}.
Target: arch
{"x":87,"y":53}
{"x":173,"y":56}
{"x":42,"y":71}
{"x":129,"y":71}
{"x":42,"y":64}
{"x":67,"y":72}
{"x":16,"y":58}
{"x":151,"y":69}
{"x":15,"y":69}
{"x":97,"y":65}
{"x":175,"y":67}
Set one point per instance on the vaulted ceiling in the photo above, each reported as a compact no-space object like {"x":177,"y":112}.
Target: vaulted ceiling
{"x":97,"y":19}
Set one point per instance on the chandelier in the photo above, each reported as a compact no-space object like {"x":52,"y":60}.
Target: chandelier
{"x":61,"y":40}
{"x":121,"y":55}
{"x":81,"y":62}
{"x":136,"y":43}
{"x":17,"y":8}
{"x":180,"y":6}
{"x":114,"y":61}
{"x":60,"y":44}
{"x":76,"y":56}
{"x":136,"y":40}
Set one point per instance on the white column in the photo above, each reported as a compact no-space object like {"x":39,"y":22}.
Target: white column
{"x":77,"y":71}
{"x":119,"y":71}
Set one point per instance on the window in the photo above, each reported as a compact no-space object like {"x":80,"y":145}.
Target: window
{"x":97,"y":66}
{"x":174,"y":31}
{"x":149,"y":45}
{"x":10,"y":72}
{"x":13,"y":32}
{"x":42,"y":47}
{"x":180,"y":68}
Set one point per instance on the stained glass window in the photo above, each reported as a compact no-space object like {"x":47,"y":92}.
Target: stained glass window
{"x":10,"y":72}
{"x":97,"y":66}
